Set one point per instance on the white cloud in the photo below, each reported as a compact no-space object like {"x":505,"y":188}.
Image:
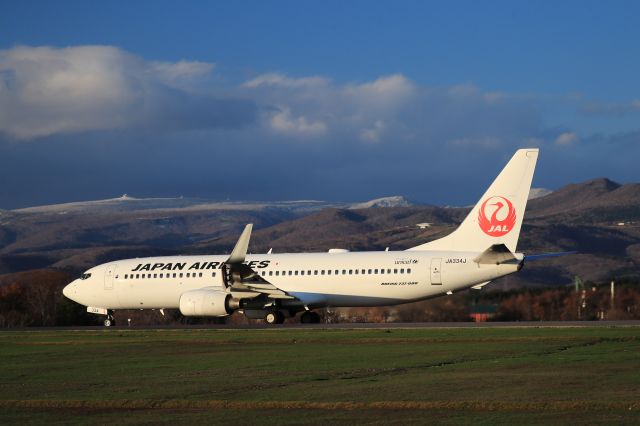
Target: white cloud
{"x":566,"y":138}
{"x":391,"y":89}
{"x":393,"y":109}
{"x":373,"y":133}
{"x":47,"y":90}
{"x":283,"y":122}
{"x":607,"y":108}
{"x":281,"y":80}
{"x":495,"y":96}
{"x":316,"y":106}
{"x":175,"y":74}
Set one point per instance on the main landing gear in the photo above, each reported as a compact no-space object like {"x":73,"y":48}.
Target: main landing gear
{"x":309,"y":317}
{"x":110,"y":321}
{"x":277,"y":317}
{"x":274,"y":317}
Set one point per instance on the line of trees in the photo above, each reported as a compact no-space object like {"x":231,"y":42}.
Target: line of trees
{"x":34,"y":298}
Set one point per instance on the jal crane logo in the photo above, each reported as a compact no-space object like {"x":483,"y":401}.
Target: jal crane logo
{"x":502,"y":219}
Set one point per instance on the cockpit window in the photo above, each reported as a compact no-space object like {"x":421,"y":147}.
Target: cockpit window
{"x":85,"y":275}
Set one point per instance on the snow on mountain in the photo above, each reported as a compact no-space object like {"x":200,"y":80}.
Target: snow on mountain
{"x":538,"y":192}
{"x":126,"y":203}
{"x":394,"y":201}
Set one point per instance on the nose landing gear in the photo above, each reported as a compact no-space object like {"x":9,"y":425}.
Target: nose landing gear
{"x":110,"y":321}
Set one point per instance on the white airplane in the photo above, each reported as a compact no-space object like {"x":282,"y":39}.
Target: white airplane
{"x":275,"y":286}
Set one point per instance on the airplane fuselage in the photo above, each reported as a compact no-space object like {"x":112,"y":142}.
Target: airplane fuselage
{"x":314,"y":279}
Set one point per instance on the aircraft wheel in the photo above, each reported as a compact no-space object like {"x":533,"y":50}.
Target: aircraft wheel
{"x":309,"y":317}
{"x":109,"y":322}
{"x":274,"y":317}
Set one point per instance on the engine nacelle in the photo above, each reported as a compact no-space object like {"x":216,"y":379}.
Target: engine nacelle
{"x":205,"y":302}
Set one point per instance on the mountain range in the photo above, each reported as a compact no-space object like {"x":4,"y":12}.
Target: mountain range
{"x":599,"y":219}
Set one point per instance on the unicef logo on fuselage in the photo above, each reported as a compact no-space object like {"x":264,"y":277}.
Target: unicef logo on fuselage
{"x":497,"y":216}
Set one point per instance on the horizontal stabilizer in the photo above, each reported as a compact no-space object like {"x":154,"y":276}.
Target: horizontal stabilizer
{"x":547,"y":255}
{"x":496,"y":254}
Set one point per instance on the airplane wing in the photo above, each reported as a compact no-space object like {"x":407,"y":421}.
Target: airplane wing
{"x":242,"y":280}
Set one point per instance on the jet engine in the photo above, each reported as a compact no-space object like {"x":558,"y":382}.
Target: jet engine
{"x":205,"y":302}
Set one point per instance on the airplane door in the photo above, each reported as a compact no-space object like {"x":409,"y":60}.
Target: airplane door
{"x":436,"y":275}
{"x":109,"y":273}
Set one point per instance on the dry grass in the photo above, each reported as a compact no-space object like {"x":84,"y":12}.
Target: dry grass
{"x":183,"y":404}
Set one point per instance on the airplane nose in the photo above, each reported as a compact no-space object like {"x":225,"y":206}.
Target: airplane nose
{"x":70,"y":290}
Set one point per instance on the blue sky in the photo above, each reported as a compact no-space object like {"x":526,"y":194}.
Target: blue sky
{"x":329,"y":100}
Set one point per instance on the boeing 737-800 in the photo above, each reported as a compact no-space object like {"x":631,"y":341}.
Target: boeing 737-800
{"x":276,"y":286}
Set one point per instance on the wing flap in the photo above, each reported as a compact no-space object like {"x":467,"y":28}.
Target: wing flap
{"x":243,"y":281}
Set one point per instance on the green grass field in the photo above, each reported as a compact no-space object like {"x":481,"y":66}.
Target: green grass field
{"x":283,"y":376}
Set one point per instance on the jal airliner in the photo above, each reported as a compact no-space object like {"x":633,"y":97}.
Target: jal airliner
{"x":277,"y":286}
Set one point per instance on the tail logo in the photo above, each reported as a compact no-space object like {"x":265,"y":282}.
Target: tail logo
{"x":502,"y":219}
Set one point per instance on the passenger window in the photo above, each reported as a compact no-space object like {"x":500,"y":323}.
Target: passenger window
{"x":290,"y":272}
{"x":369,"y":271}
{"x":382,"y":271}
{"x":329,"y":272}
{"x":344,"y":272}
{"x":402,"y":271}
{"x":408,"y":270}
{"x":126,"y":276}
{"x":395,"y":271}
{"x":180,"y":274}
{"x":270,"y":273}
{"x":388,"y":271}
{"x":350,"y":271}
{"x":322,"y":272}
{"x":301,"y":272}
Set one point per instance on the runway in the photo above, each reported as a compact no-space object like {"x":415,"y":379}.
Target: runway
{"x":350,"y":326}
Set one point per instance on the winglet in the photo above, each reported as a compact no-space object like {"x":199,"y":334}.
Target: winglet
{"x":240,"y":250}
